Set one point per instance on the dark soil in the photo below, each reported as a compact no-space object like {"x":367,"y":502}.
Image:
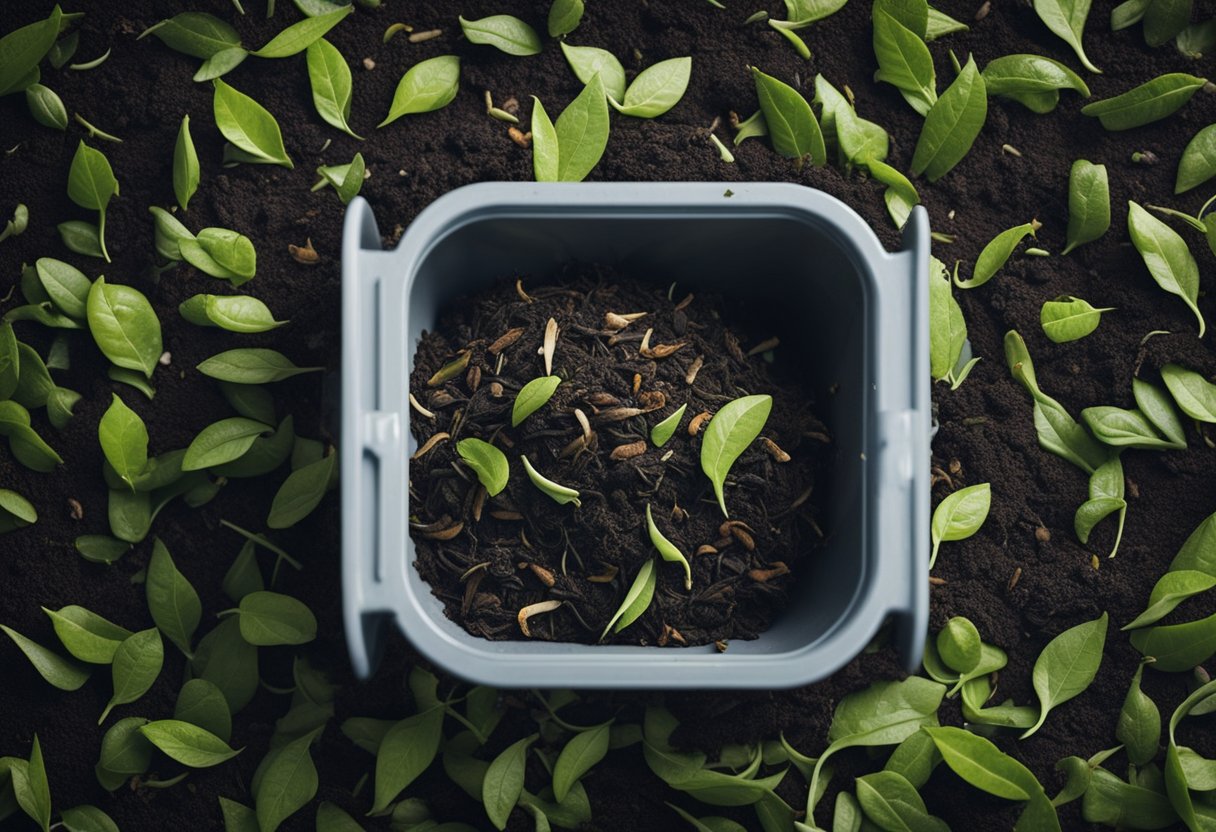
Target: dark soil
{"x":142,"y":91}
{"x":526,"y":550}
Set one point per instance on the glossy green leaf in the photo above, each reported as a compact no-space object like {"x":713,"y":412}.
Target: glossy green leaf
{"x":270,"y":618}
{"x":584,"y":750}
{"x":589,"y":61}
{"x":1121,"y":428}
{"x":667,"y":550}
{"x":34,"y":382}
{"x":185,"y":165}
{"x":636,"y":602}
{"x":347,"y":180}
{"x":1164,"y":19}
{"x":91,"y":184}
{"x":1157,"y":407}
{"x":1167,"y":257}
{"x":300,"y":493}
{"x":124,"y":326}
{"x":87,"y":819}
{"x":488,"y":463}
{"x":656,"y":89}
{"x":289,"y":780}
{"x":188,"y":744}
{"x":1198,"y":162}
{"x":302,"y":34}
{"x":792,"y":127}
{"x":983,"y":765}
{"x":904,"y":60}
{"x":1070,"y":319}
{"x":893,"y":804}
{"x":81,"y":237}
{"x":504,"y":32}
{"x":995,"y":254}
{"x":405,"y":752}
{"x":59,"y":672}
{"x":952,"y":124}
{"x":221,"y":442}
{"x":329,"y":77}
{"x":10,"y":361}
{"x":225,"y":659}
{"x":731,"y":430}
{"x":66,"y":286}
{"x":1171,"y":589}
{"x":1178,"y":647}
{"x":172,"y":601}
{"x":330,"y":818}
{"x":46,"y":107}
{"x":915,"y":759}
{"x":661,"y":433}
{"x":1139,"y":726}
{"x":221,"y":63}
{"x":137,"y":663}
{"x":1106,"y":496}
{"x":532,"y":397}
{"x":201,"y":703}
{"x":252,"y":365}
{"x":947,"y":328}
{"x":197,"y":34}
{"x":504,"y":782}
{"x":15,"y":511}
{"x":30,"y":785}
{"x":1066,"y":19}
{"x":582,"y":133}
{"x":222,"y":253}
{"x":959,"y":644}
{"x":124,"y":440}
{"x":1088,"y":204}
{"x":427,"y":86}
{"x":1026,"y":78}
{"x":234,"y":313}
{"x":1149,"y":102}
{"x":124,"y":750}
{"x":1194,"y":395}
{"x":22,"y":49}
{"x":560,"y":494}
{"x":959,"y":516}
{"x":564,"y":17}
{"x":1067,"y":666}
{"x":27,"y":446}
{"x":248,"y":125}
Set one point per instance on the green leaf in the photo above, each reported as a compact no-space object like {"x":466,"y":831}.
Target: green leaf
{"x":952,"y":125}
{"x":532,"y":397}
{"x":201,"y":703}
{"x":904,"y":60}
{"x":544,"y":146}
{"x":668,"y":550}
{"x":15,"y":511}
{"x":1149,"y":102}
{"x":1167,"y":257}
{"x":1067,"y":666}
{"x":62,"y":673}
{"x":289,"y":780}
{"x":172,"y":601}
{"x":330,"y":818}
{"x":731,"y":430}
{"x":584,"y":750}
{"x":656,"y":89}
{"x":137,"y":663}
{"x":488,"y":463}
{"x":81,"y":237}
{"x":1070,"y":319}
{"x":939,"y":25}
{"x":124,"y":326}
{"x":91,"y":184}
{"x":1139,"y":727}
{"x":405,"y":752}
{"x":1106,"y":496}
{"x":34,"y":384}
{"x":221,"y":442}
{"x":221,"y":63}
{"x":915,"y":758}
{"x":237,"y":816}
{"x":59,"y":406}
{"x":995,"y":254}
{"x":197,"y":34}
{"x":188,"y":744}
{"x":1088,"y":204}
{"x":1178,"y":647}
{"x":46,"y":107}
{"x":1066,"y":19}
{"x":911,"y":14}
{"x":560,"y":494}
{"x":503,"y":32}
{"x":302,"y":34}
{"x":269,"y":619}
{"x":1195,"y":395}
{"x":661,"y":433}
{"x":959,"y":516}
{"x":248,"y":125}
{"x":22,"y":49}
{"x":225,"y":659}
{"x":427,"y":86}
{"x":87,"y":819}
{"x":1027,"y":78}
{"x":959,"y":644}
{"x":330,"y":79}
{"x":86,"y":635}
{"x":234,"y":313}
{"x":504,"y":782}
{"x":124,"y":440}
{"x":1164,"y":19}
{"x":346,"y":179}
{"x":893,"y":804}
{"x":1121,"y":428}
{"x":791,"y":123}
{"x":251,"y":365}
{"x":185,"y":165}
{"x":564,"y":17}
{"x":1171,"y":589}
{"x":27,"y":446}
{"x":637,"y":600}
{"x":10,"y":361}
{"x":124,"y":750}
{"x":222,"y":253}
{"x":1198,"y":162}
{"x":983,"y":765}
{"x":66,"y":286}
{"x":30,"y":785}
{"x":1197,"y":40}
{"x":1157,"y":407}
{"x":589,"y":61}
{"x":300,"y":493}
{"x":582,"y":133}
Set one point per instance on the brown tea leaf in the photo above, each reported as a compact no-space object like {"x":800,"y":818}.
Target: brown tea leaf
{"x":693,"y":369}
{"x":614,"y":321}
{"x":618,"y":414}
{"x":694,"y":424}
{"x":775,"y":571}
{"x":446,"y":534}
{"x":534,"y":609}
{"x":606,"y":576}
{"x":652,"y":400}
{"x":629,"y":451}
{"x":775,"y":450}
{"x":305,"y":254}
{"x":431,"y":443}
{"x":505,"y":340}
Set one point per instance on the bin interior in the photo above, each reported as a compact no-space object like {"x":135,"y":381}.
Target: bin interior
{"x":819,"y":288}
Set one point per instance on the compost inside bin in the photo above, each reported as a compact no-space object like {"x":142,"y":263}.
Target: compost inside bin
{"x":629,"y":354}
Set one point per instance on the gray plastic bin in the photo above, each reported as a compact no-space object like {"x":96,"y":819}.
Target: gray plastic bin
{"x":862,"y":324}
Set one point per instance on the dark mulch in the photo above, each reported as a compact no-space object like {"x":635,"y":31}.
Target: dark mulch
{"x":141,"y":93}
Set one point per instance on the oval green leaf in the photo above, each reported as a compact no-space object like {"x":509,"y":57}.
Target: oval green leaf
{"x":488,"y":463}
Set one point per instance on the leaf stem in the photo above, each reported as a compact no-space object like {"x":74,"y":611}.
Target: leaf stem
{"x":263,"y":542}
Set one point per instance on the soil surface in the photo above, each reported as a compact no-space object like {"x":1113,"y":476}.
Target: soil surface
{"x":987,"y":435}
{"x":622,"y":378}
